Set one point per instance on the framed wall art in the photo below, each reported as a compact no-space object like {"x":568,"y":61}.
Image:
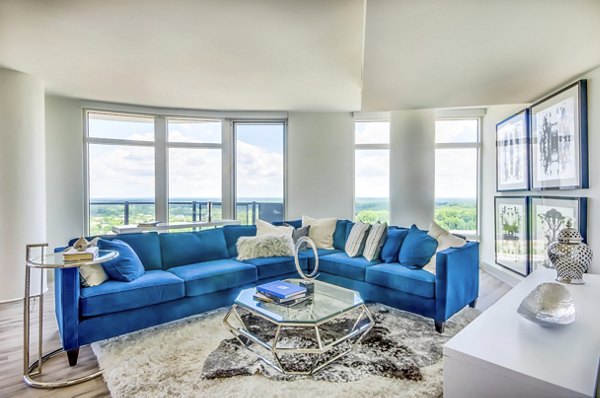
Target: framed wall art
{"x":559,"y":147}
{"x":549,"y":215}
{"x":512,"y":233}
{"x":512,"y":153}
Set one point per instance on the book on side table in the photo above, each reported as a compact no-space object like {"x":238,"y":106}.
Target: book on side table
{"x":73,"y":255}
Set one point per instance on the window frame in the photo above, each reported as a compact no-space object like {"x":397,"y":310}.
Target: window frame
{"x":233,"y":163}
{"x":161,"y":147}
{"x":468,"y":115}
{"x":357,"y":147}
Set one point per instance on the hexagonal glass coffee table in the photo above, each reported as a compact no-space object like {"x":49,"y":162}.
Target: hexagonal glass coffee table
{"x":313,"y":333}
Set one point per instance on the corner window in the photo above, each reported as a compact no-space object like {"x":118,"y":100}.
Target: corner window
{"x":457,"y":175}
{"x":372,"y":171}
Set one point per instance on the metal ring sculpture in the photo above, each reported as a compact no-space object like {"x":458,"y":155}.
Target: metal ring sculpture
{"x":309,"y":242}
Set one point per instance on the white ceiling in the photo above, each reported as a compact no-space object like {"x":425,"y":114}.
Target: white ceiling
{"x":204,"y":54}
{"x":440,"y":53}
{"x":301,"y":55}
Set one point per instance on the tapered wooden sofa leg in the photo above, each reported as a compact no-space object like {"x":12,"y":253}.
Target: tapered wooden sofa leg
{"x":473,"y":303}
{"x":439,"y":326}
{"x":72,"y":355}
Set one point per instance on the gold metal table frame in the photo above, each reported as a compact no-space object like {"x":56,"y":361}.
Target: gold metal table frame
{"x":44,"y":262}
{"x":353,"y":337}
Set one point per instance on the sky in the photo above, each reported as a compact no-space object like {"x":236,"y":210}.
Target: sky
{"x":128,"y":172}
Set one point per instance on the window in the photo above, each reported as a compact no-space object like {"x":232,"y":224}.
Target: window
{"x":195,"y":169}
{"x":120,"y":170}
{"x":259,"y":171}
{"x":457,"y":175}
{"x":372,"y":171}
{"x":145,"y":167}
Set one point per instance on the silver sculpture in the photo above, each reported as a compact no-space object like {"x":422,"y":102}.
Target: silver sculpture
{"x":570,"y":256}
{"x":549,"y":305}
{"x":307,"y":280}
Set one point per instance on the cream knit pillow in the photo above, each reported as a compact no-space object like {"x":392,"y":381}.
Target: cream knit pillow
{"x":321,"y":231}
{"x":357,"y":238}
{"x":445,"y":241}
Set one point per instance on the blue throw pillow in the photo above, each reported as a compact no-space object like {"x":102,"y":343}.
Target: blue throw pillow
{"x":125,"y":268}
{"x":393,"y":242}
{"x":417,"y":249}
{"x":339,"y":235}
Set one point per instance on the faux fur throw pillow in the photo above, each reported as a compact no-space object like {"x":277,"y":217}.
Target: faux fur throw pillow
{"x":264,"y":246}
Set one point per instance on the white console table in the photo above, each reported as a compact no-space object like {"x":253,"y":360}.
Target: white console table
{"x":131,"y":229}
{"x":501,"y":354}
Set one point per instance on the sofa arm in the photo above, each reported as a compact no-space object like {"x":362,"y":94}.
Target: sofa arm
{"x":66,"y":306}
{"x":456,"y":279}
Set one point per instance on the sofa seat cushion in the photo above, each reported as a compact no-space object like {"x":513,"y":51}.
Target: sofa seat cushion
{"x":267,"y":267}
{"x":309,"y":256}
{"x":342,"y":265}
{"x":212,"y":276}
{"x":398,"y":277}
{"x":153,"y":287}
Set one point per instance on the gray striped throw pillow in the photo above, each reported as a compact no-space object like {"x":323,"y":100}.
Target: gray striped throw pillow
{"x":356,"y":240}
{"x":375,"y":241}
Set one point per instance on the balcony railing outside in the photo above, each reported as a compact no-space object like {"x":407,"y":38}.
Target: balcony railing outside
{"x":104,"y":214}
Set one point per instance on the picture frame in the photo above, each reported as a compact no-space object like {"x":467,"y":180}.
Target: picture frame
{"x":548,"y":216}
{"x":512,"y":233}
{"x":512,"y":153}
{"x":559,"y":140}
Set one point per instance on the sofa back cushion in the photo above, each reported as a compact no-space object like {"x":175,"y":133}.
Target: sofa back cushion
{"x":417,"y":249}
{"x":193,"y":247}
{"x":145,"y":245}
{"x":232,"y":233}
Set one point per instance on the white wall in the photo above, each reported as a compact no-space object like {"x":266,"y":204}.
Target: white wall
{"x":22,"y":178}
{"x":320,"y":165}
{"x":64,"y":170}
{"x":412,"y":168}
{"x":498,"y":113}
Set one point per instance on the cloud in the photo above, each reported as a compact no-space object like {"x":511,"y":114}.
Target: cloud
{"x":372,"y":174}
{"x":128,"y":172}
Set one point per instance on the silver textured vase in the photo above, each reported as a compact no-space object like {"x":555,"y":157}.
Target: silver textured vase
{"x":570,"y":256}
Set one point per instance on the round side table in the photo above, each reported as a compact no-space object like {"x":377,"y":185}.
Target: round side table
{"x":44,"y":262}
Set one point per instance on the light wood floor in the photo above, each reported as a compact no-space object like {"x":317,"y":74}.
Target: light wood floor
{"x":11,"y":347}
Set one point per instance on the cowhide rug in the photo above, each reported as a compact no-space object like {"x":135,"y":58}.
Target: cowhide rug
{"x":197,"y":357}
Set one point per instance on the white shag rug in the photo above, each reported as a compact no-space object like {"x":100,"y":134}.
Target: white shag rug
{"x":167,"y":361}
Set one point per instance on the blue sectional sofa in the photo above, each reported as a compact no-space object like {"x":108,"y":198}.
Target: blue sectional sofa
{"x":192,"y":272}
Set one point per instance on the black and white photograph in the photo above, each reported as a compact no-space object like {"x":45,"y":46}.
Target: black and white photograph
{"x":511,"y":233}
{"x":512,"y":171}
{"x":559,"y":140}
{"x":549,"y":215}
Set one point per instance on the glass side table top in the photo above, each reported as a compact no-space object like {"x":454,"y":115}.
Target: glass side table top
{"x":56,"y":260}
{"x":327,"y":301}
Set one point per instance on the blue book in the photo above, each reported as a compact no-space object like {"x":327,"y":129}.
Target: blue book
{"x":280,"y":289}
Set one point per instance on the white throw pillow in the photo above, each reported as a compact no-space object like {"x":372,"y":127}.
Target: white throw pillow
{"x":264,"y":246}
{"x":265,"y":228}
{"x":357,"y":238}
{"x":375,"y":241}
{"x":321,"y":231}
{"x":92,"y":275}
{"x":445,"y":241}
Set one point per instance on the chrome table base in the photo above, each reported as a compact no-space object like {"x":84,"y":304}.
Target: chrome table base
{"x":353,"y":337}
{"x":35,"y":368}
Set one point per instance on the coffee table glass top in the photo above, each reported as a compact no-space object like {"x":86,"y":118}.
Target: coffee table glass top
{"x":327,"y":301}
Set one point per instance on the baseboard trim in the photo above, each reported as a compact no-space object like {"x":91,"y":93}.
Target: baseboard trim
{"x":504,"y":275}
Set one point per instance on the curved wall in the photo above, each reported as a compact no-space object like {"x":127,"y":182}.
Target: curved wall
{"x":22,"y":178}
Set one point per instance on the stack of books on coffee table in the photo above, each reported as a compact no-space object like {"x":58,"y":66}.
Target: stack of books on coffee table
{"x":281,"y":292}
